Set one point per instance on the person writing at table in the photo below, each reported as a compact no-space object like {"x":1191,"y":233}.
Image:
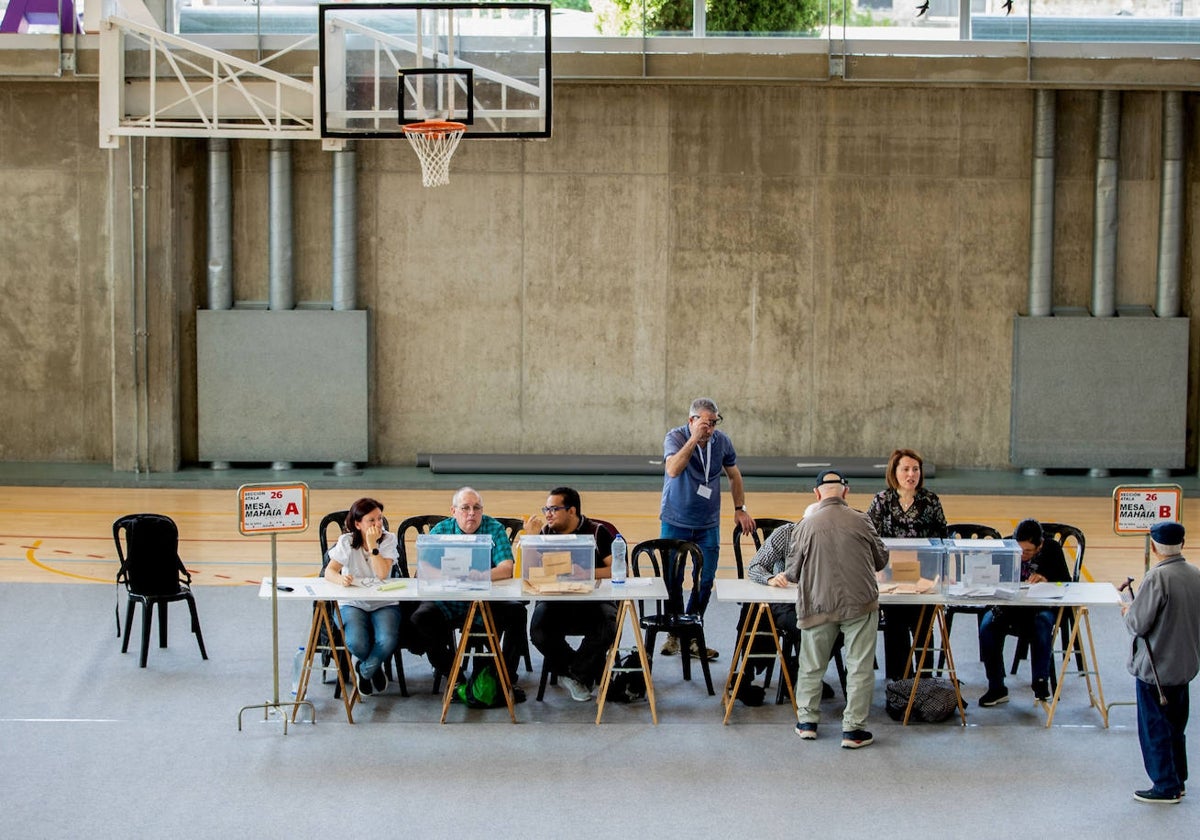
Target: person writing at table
{"x":1042,"y":560}
{"x":904,"y":510}
{"x":366,"y":552}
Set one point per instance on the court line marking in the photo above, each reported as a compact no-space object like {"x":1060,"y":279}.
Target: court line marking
{"x":30,"y":555}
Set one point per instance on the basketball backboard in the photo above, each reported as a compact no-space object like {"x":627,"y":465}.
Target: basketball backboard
{"x":483,"y":64}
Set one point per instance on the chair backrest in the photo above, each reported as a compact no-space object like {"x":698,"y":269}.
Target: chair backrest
{"x":337,"y":520}
{"x":1072,"y":541}
{"x":410,"y":528}
{"x":972,"y":531}
{"x":148,"y":550}
{"x":763,"y":528}
{"x":513,"y":524}
{"x":669,"y":560}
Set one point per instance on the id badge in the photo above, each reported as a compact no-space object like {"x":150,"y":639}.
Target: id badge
{"x":704,"y":491}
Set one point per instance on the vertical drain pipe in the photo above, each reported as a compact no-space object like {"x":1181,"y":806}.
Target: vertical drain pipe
{"x":282,"y":290}
{"x":1041,"y":215}
{"x":1041,"y":212}
{"x":1104,"y":234}
{"x":345,"y":245}
{"x":1170,"y":208}
{"x":220,"y":234}
{"x":1170,"y":218}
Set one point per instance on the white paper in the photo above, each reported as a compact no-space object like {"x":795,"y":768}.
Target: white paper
{"x":1045,"y":590}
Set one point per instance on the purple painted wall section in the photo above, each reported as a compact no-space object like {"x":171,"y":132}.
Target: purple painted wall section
{"x":21,"y":14}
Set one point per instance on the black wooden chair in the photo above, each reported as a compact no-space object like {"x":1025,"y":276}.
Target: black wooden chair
{"x":153,"y":574}
{"x":514,"y":525}
{"x":670,"y":559}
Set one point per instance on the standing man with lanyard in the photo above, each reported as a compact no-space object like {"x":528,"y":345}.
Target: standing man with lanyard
{"x":695,"y":455}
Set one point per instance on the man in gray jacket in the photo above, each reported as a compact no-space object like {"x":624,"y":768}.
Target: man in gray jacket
{"x":1164,"y":619}
{"x":834,"y":554}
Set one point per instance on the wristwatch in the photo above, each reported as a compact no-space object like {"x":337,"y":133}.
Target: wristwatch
{"x":375,"y":551}
{"x":740,"y":507}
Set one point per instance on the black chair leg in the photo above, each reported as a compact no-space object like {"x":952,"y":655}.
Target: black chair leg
{"x":704,"y":663}
{"x":400,"y":678}
{"x":128,"y":625}
{"x":542,"y":682}
{"x":162,"y":623}
{"x":195,"y":625}
{"x":147,"y":614}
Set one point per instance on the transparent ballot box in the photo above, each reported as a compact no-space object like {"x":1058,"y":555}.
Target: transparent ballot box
{"x":454,"y":562}
{"x":558,"y":563}
{"x":916,"y":565}
{"x":984,"y":568}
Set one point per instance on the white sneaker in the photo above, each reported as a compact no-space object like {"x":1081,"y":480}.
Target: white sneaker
{"x":578,"y":690}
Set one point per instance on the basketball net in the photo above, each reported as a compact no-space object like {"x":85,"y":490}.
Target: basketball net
{"x":434,"y":141}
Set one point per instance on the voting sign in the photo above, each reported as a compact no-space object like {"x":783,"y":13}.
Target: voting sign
{"x":1137,"y":508}
{"x":273,"y":508}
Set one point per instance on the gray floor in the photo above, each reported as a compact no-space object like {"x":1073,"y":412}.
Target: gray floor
{"x":90,"y":742}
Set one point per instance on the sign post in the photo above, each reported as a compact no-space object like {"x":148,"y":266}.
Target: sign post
{"x":1139,"y":507}
{"x":274,"y":509}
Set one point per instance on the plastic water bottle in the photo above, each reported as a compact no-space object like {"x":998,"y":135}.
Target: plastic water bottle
{"x":297,"y":667}
{"x":618,"y":561}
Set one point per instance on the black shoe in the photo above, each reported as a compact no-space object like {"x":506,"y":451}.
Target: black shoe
{"x":826,"y":691}
{"x":364,"y":684}
{"x":751,"y":694}
{"x":518,"y":694}
{"x":994,"y":697}
{"x":1041,"y":690}
{"x":857,"y":739}
{"x":379,"y":680}
{"x":1154,"y":798}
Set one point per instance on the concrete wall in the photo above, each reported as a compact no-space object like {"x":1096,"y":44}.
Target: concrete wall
{"x":837,"y":266}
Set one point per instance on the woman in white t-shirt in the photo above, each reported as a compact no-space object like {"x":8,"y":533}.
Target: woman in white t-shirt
{"x":363,"y":555}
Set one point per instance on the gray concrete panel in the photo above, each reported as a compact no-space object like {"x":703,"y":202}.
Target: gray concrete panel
{"x":288,"y":386}
{"x":1100,"y":392}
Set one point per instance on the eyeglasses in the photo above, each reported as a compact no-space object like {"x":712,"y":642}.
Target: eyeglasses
{"x":471,"y":508}
{"x":549,"y":509}
{"x":716,"y":422}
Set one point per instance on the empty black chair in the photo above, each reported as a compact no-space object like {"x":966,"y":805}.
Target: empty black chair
{"x":148,"y":550}
{"x":670,"y":559}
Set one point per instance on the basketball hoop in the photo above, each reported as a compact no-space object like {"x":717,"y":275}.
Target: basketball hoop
{"x":434,"y":142}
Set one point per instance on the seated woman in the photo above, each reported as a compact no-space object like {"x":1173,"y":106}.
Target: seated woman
{"x":363,"y":553}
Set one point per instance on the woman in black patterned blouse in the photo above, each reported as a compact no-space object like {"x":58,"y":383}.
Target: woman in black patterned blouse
{"x":905,"y":509}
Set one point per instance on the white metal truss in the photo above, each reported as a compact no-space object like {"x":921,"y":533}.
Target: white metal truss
{"x":185,"y":89}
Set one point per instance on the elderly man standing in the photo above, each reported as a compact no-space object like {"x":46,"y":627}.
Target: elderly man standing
{"x":694,"y":456}
{"x":435,"y":621}
{"x":834,"y":554}
{"x":1164,"y":620}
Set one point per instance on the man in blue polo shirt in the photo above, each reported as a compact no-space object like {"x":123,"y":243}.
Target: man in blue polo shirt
{"x":695,"y":455}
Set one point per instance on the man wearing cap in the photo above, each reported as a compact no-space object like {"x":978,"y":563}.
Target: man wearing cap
{"x":694,"y":456}
{"x":1042,"y":560}
{"x":1164,"y":619}
{"x":833,"y":555}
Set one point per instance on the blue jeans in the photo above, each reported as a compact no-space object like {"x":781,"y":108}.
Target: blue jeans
{"x":371,"y":635}
{"x":1161,"y":734}
{"x":1034,"y":624}
{"x":709,"y":540}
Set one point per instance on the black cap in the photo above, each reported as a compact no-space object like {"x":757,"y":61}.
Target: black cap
{"x":829,"y":477}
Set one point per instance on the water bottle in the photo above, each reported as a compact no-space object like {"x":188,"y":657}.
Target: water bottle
{"x":297,"y":667}
{"x":618,"y":561}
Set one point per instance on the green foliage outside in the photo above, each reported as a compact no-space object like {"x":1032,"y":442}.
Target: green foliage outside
{"x":578,"y":5}
{"x":722,"y":16}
